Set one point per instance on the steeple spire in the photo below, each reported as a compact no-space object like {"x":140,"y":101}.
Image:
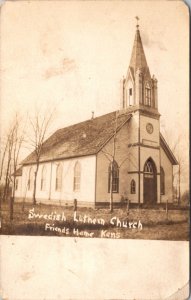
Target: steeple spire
{"x":139,"y":89}
{"x":138,"y":59}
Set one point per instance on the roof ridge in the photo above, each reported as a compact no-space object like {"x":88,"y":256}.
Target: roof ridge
{"x":88,"y":120}
{"x":79,"y":139}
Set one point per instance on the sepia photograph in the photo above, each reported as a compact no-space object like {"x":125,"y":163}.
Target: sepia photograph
{"x":95,"y":122}
{"x":89,"y":146}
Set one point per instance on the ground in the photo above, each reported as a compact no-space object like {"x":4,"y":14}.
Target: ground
{"x":136,"y":224}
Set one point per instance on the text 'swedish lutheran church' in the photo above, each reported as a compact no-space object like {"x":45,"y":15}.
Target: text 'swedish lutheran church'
{"x":76,"y":160}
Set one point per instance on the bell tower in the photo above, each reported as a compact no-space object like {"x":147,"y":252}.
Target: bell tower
{"x":139,"y":89}
{"x":140,"y":98}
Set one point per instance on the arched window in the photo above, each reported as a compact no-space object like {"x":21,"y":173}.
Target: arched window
{"x":30,"y":179}
{"x":148,"y":169}
{"x":148,"y":95}
{"x":58,"y":184}
{"x":133,"y":187}
{"x":43,"y":179}
{"x":114,"y":171}
{"x":77,"y":176}
{"x":162,"y":181}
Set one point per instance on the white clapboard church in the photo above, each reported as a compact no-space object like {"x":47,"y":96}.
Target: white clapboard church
{"x":76,"y":160}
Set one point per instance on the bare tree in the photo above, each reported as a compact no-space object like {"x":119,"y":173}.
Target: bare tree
{"x":9,"y":159}
{"x":8,"y":156}
{"x":6,"y":160}
{"x":3,"y":156}
{"x":175,"y":143}
{"x":179,"y":173}
{"x":39,"y":127}
{"x":18,"y":139}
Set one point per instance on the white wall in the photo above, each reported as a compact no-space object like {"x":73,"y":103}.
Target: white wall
{"x":67,"y":193}
{"x":87,"y":184}
{"x":144,"y":135}
{"x":122,"y":153}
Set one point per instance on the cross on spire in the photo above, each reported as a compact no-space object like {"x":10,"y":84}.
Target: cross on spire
{"x":137,"y":18}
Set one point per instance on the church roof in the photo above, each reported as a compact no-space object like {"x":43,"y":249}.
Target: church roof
{"x":82,"y":139}
{"x":168,"y":151}
{"x":86,"y":138}
{"x":138,"y":59}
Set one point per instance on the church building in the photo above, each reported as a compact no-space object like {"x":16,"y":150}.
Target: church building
{"x":77,"y":161}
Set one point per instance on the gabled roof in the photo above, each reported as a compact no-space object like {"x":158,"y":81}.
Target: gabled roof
{"x":82,"y":139}
{"x":138,"y":59}
{"x":86,"y":138}
{"x":168,"y":151}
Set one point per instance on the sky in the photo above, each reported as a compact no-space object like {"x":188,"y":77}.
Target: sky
{"x":72,"y":55}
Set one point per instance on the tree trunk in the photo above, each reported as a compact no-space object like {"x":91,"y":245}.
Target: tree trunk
{"x":167,"y":209}
{"x":35,"y":181}
{"x":179,"y":195}
{"x":6,"y":188}
{"x":111,"y":188}
{"x":12,"y":198}
{"x":11,"y":207}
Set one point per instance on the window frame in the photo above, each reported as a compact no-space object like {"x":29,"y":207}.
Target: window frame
{"x":77,"y":177}
{"x":133,"y":186}
{"x":148,"y":168}
{"x":115,"y":179}
{"x":43,"y":178}
{"x":149,"y":172}
{"x":58,"y":181}
{"x":130,"y":96}
{"x":162,"y":181}
{"x":148,"y":95}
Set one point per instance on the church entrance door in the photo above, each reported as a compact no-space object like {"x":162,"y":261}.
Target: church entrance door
{"x":150,"y":182}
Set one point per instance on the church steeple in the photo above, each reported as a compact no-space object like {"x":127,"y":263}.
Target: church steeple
{"x":138,"y":59}
{"x":138,"y":86}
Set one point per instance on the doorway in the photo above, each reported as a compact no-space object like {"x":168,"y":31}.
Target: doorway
{"x":150,"y":182}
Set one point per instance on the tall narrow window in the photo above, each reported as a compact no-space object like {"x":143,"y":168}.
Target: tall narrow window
{"x":133,"y":186}
{"x":162,"y":181}
{"x":130,"y":96}
{"x":58,"y":185}
{"x":148,"y":95}
{"x":77,"y":176}
{"x":30,"y":179}
{"x":113,"y":171}
{"x":43,"y":179}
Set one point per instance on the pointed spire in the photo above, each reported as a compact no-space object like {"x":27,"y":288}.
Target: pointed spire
{"x":138,"y":87}
{"x":138,"y":59}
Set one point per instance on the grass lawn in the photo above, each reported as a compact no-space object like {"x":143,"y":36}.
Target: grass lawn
{"x":137,"y":224}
